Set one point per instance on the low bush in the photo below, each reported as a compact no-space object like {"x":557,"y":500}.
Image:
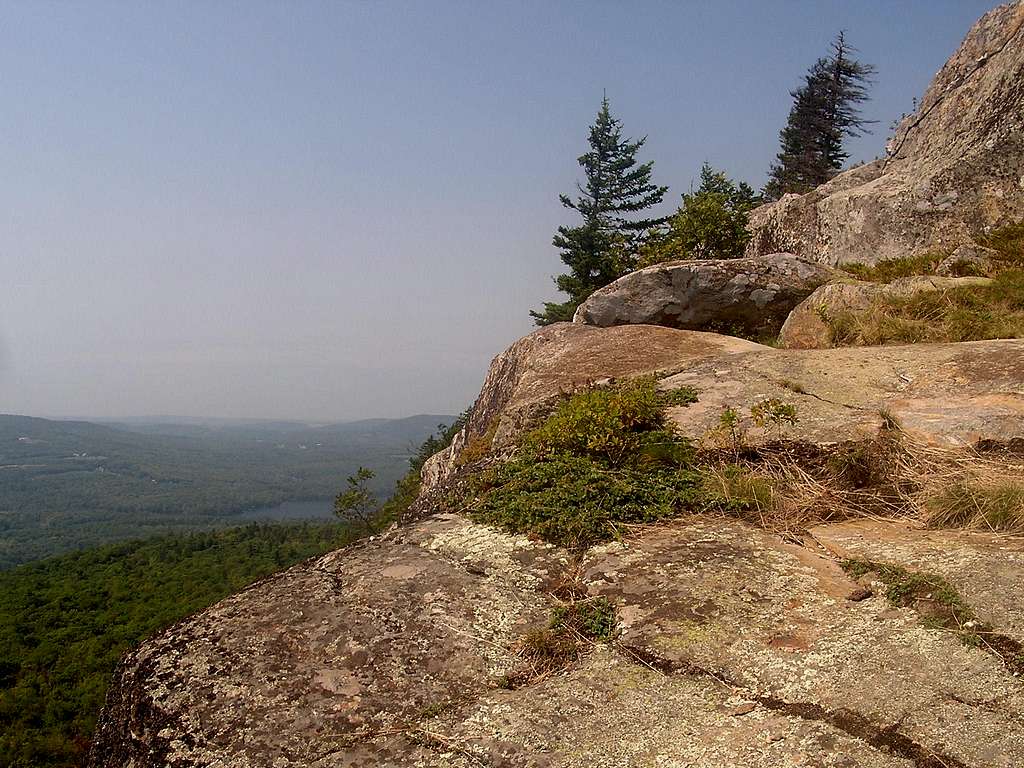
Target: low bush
{"x":605,"y":458}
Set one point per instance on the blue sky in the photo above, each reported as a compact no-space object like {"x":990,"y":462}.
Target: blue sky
{"x":336,"y":210}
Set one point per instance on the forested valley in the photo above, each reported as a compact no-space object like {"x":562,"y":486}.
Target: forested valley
{"x":67,"y":485}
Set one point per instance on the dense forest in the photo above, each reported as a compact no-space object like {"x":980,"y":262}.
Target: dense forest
{"x":65,"y":621}
{"x":69,"y":484}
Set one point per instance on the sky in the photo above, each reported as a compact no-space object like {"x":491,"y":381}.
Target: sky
{"x":340,"y":210}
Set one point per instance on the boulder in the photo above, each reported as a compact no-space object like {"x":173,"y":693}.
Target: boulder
{"x":954,"y":169}
{"x":807,"y":326}
{"x":736,"y":296}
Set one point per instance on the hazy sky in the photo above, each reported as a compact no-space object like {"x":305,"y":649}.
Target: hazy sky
{"x":336,"y":210}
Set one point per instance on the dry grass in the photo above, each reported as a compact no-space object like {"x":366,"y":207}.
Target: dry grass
{"x":889,"y":478}
{"x":970,"y":313}
{"x":989,"y":503}
{"x":893,"y":269}
{"x":1007,"y":242}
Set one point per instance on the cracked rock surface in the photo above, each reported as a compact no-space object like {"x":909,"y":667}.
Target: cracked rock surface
{"x":734,"y":649}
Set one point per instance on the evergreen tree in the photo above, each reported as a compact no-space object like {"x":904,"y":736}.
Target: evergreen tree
{"x":825,"y":112}
{"x":617,"y":190}
{"x":711,"y":223}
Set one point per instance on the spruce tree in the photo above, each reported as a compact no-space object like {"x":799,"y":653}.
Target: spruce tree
{"x":617,"y":191}
{"x":825,"y":112}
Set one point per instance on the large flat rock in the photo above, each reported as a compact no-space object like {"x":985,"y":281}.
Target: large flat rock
{"x":948,"y":394}
{"x":735,"y":649}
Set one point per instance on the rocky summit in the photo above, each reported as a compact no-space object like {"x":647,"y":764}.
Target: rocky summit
{"x":837,"y":581}
{"x":954,"y":169}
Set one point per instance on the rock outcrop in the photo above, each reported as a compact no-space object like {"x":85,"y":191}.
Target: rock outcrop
{"x":807,"y":326}
{"x":736,"y":296}
{"x":955,"y":168}
{"x":735,"y":649}
{"x":524,"y":380}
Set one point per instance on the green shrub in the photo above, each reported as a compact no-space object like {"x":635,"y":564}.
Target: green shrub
{"x":605,"y":458}
{"x":711,"y":223}
{"x":577,"y":501}
{"x":604,"y":423}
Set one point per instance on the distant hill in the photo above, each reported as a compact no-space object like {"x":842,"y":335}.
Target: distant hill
{"x":65,"y":485}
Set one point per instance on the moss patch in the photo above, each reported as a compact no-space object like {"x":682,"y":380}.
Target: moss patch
{"x":940,"y":606}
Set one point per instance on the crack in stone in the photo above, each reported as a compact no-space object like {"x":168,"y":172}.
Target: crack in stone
{"x":883,"y":738}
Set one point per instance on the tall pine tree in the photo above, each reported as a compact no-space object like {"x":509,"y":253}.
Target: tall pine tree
{"x":825,"y":112}
{"x":617,"y":190}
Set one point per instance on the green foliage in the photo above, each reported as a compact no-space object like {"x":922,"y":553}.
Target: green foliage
{"x":773,"y":413}
{"x":551,"y":648}
{"x":711,"y":223}
{"x":602,"y":422}
{"x":825,"y":112}
{"x":357,"y":503}
{"x":605,"y":458}
{"x":903,"y":587}
{"x":66,"y":621}
{"x":1008,"y":242}
{"x":556,"y":312}
{"x":591,"y":619}
{"x":616,"y":192}
{"x":678,"y":397}
{"x":730,"y":426}
{"x":576,"y":501}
